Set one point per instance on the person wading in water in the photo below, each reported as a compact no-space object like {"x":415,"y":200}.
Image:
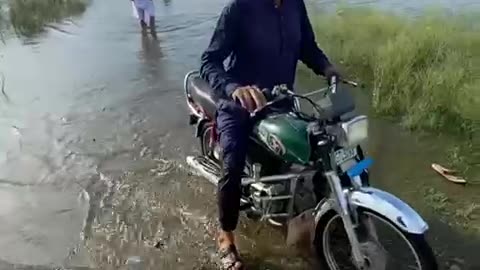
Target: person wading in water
{"x":145,"y":9}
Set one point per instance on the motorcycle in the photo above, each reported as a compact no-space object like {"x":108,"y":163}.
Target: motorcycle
{"x":310,"y":168}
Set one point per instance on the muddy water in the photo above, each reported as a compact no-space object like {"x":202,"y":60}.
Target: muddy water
{"x":93,"y":139}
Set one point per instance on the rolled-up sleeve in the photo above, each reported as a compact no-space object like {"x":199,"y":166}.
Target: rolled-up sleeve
{"x":310,"y":53}
{"x":221,"y":46}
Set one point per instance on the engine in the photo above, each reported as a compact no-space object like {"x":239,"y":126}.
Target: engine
{"x":263,"y":197}
{"x":273,"y":199}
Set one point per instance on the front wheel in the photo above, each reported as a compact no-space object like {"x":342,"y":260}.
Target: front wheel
{"x":383,"y":244}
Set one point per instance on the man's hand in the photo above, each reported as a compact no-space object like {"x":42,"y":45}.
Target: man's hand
{"x":330,"y":72}
{"x":250,"y":97}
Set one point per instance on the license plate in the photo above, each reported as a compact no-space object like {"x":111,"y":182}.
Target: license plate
{"x":342,"y":155}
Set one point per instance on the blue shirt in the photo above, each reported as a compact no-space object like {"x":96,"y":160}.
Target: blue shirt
{"x":263,"y":43}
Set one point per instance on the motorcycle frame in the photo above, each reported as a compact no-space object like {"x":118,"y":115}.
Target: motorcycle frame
{"x":345,"y":201}
{"x":292,"y":178}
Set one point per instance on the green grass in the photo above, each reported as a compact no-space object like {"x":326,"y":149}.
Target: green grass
{"x":2,"y":23}
{"x":29,"y":17}
{"x":455,"y":212}
{"x":2,"y":16}
{"x":423,"y":70}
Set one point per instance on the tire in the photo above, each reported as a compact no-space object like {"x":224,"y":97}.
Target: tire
{"x":417,"y":243}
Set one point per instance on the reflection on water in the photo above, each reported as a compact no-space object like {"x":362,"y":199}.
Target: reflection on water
{"x":151,"y":53}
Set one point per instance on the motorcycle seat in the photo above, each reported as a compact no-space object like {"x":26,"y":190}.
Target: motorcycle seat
{"x":202,"y":94}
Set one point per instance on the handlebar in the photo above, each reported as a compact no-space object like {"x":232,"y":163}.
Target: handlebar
{"x":281,"y":92}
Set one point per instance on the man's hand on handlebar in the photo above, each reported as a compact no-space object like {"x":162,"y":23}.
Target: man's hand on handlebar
{"x":332,"y":72}
{"x":250,"y":97}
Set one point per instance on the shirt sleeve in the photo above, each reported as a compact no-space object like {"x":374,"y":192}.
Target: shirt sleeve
{"x":221,"y":46}
{"x":310,"y":54}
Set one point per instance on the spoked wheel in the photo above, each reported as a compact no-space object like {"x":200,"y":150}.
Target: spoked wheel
{"x":383,"y":244}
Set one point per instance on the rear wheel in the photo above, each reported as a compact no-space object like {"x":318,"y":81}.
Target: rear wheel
{"x":384,"y":245}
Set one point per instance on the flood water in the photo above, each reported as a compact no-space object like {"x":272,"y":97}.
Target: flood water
{"x":93,"y":137}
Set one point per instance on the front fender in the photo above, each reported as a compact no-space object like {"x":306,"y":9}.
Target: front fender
{"x":391,"y":207}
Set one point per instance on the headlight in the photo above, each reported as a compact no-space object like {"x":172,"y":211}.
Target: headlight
{"x":355,"y":131}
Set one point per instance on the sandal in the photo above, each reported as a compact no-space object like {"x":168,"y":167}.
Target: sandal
{"x":229,"y":259}
{"x":448,"y":174}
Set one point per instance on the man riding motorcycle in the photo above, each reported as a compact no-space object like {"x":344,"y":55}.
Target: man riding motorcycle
{"x":264,"y":40}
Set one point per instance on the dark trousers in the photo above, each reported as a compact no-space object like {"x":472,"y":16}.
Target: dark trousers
{"x":234,"y":127}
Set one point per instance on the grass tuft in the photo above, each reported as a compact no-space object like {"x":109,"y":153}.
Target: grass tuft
{"x":29,"y":17}
{"x":423,"y":70}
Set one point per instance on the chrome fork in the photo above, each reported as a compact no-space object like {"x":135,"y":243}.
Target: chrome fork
{"x":343,"y":206}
